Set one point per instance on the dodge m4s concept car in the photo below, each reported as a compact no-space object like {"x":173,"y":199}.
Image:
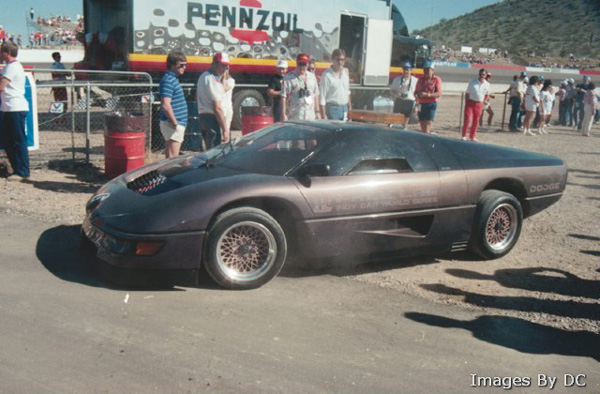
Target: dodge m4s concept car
{"x":319,"y":190}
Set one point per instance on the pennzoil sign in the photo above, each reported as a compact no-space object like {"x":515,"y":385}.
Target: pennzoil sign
{"x":241,"y":17}
{"x":267,"y":29}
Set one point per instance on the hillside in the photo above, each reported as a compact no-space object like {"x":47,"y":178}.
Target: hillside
{"x":524,"y":28}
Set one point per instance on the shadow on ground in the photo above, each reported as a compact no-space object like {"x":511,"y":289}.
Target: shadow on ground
{"x":536,"y":279}
{"x":520,"y":335}
{"x":60,"y":251}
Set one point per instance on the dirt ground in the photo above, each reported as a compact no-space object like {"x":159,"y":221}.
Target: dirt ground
{"x":551,"y":277}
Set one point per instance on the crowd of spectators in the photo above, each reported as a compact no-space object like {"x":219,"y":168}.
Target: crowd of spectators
{"x":48,"y":32}
{"x":573,"y":63}
{"x":447,"y":54}
{"x":55,"y":30}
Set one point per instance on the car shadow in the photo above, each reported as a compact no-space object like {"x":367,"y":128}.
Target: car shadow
{"x":521,"y":335}
{"x":60,"y":252}
{"x":350,"y":266}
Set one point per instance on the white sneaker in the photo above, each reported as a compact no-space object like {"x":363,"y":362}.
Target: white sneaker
{"x":464,"y":138}
{"x":528,"y":132}
{"x":14,"y":178}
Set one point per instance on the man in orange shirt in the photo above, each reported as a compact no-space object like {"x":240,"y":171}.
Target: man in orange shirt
{"x":428,"y":91}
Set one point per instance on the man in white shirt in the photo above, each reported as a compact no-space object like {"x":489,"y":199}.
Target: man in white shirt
{"x":335,"y":89}
{"x":477,"y":92}
{"x":14,"y":108}
{"x":300,"y":94}
{"x":210,"y":96}
{"x":403,"y":91}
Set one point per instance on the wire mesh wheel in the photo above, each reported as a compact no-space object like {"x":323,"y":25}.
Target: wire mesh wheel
{"x":246,"y":250}
{"x":501,"y":227}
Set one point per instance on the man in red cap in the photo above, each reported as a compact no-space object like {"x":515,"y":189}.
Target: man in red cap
{"x":210,"y":96}
{"x":300,"y":94}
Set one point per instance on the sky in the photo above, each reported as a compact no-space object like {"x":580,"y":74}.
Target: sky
{"x":417,"y":14}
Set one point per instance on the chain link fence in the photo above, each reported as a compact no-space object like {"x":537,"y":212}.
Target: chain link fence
{"x":449,"y":114}
{"x":72,"y":107}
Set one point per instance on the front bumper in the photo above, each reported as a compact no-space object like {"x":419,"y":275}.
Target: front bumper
{"x":180,"y":251}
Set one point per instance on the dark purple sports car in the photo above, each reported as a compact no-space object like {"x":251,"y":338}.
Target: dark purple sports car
{"x":320,"y":190}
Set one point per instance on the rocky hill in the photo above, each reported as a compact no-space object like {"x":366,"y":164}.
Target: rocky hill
{"x":526,"y":28}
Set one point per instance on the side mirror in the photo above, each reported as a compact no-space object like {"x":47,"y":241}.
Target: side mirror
{"x":314,"y":170}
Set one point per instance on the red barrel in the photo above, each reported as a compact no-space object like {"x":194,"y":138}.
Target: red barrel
{"x":255,"y":118}
{"x":124,"y":144}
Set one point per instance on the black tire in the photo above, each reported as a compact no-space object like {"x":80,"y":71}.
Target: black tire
{"x":245,"y":249}
{"x":497,"y":224}
{"x":245,"y":98}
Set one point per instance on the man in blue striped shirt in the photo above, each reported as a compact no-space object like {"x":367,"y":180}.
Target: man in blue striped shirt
{"x":173,"y":109}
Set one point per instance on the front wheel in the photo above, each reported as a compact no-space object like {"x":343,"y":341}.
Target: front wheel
{"x":246,"y":248}
{"x":497,"y":225}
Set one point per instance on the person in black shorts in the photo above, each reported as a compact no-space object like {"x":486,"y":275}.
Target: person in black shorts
{"x":274,"y":89}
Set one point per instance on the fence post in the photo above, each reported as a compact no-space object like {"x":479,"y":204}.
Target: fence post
{"x":87,"y":123}
{"x":73,"y":100}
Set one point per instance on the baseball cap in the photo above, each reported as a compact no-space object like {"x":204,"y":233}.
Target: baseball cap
{"x":428,"y":64}
{"x":407,"y":65}
{"x":541,"y":77}
{"x":221,"y":57}
{"x":282,"y":64}
{"x":523,"y":74}
{"x":303,"y":58}
{"x":586,"y":77}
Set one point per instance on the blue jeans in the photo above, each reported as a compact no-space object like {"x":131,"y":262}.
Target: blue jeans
{"x":211,"y":130}
{"x":14,"y":140}
{"x":578,"y":113}
{"x":515,"y":114}
{"x":335,"y":112}
{"x":569,"y":112}
{"x":562,"y":109}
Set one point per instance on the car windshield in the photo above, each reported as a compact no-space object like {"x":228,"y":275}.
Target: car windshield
{"x":274,"y":150}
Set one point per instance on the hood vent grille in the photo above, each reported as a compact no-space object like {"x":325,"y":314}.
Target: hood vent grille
{"x":147,"y":182}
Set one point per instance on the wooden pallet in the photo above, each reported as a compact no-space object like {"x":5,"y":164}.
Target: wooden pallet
{"x":375,"y":117}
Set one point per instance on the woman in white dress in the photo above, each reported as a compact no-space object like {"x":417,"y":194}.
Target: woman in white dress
{"x":546,"y":104}
{"x":532,"y":102}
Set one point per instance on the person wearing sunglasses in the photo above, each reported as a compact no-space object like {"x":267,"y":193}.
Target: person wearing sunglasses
{"x":300,"y":94}
{"x":403,"y":91}
{"x":335,"y":89}
{"x":173,"y":108}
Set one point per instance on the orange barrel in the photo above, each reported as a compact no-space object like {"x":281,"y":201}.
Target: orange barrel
{"x":124,"y":143}
{"x":255,"y":118}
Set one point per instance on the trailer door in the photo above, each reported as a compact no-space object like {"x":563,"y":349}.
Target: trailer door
{"x":378,"y":52}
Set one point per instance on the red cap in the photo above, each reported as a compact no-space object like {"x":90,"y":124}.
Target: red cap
{"x":221,"y":57}
{"x":303,"y":58}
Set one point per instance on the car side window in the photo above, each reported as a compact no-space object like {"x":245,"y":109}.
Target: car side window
{"x":374,"y":152}
{"x":381,"y":166}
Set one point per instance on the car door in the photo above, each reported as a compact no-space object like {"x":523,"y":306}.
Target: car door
{"x":381,"y":194}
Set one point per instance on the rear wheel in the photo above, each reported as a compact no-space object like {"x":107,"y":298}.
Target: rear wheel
{"x":245,"y":249}
{"x":497,"y":224}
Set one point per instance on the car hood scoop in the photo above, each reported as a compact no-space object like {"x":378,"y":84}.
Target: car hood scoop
{"x":150,"y":183}
{"x":175,"y":175}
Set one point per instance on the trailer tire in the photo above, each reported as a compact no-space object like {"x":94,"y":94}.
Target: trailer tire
{"x":245,"y":98}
